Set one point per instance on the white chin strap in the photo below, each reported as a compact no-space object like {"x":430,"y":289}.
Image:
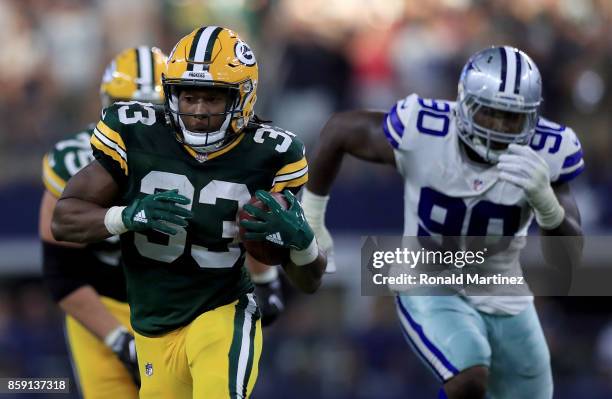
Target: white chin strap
{"x":204,"y":142}
{"x":199,"y":141}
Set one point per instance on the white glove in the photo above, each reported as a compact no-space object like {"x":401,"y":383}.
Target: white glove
{"x":314,"y":207}
{"x":523,"y":167}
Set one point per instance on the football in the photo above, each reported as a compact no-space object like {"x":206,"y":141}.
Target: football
{"x":264,"y":251}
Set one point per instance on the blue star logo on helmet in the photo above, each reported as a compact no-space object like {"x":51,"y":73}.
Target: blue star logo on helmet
{"x":244,"y":53}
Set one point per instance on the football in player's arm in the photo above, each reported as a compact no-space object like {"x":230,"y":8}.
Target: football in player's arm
{"x":170,"y":180}
{"x":87,"y":281}
{"x":489,"y":152}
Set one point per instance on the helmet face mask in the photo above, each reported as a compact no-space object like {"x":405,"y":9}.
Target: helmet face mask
{"x":498,"y":104}
{"x":211,"y":58}
{"x":204,"y":132}
{"x":134,"y":75}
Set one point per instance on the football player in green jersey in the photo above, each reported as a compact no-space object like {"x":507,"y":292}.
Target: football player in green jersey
{"x":170,"y":181}
{"x":87,"y":280}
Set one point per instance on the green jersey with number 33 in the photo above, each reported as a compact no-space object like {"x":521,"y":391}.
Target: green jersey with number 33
{"x":173,"y":279}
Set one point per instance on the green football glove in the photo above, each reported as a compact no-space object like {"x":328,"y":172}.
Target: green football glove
{"x":286,"y":228}
{"x":154,"y":210}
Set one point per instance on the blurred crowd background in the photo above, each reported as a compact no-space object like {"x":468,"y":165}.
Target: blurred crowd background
{"x":315,"y":57}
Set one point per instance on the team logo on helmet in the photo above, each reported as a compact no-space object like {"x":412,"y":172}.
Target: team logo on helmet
{"x":244,"y":53}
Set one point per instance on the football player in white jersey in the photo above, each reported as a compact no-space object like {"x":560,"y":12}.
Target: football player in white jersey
{"x":484,"y":165}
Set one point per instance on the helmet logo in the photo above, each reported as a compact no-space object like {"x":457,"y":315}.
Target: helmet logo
{"x":244,"y":53}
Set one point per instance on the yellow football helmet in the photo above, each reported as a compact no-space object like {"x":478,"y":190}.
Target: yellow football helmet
{"x":134,"y":74}
{"x":212,"y":56}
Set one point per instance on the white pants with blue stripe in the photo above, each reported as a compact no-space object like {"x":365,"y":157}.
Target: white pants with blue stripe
{"x":449,"y":336}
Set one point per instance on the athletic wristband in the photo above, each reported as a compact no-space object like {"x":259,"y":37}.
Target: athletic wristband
{"x":551,"y":218}
{"x":314,"y":207}
{"x":305,"y":256}
{"x":266,"y":277}
{"x":113,"y":221}
{"x":112,"y":336}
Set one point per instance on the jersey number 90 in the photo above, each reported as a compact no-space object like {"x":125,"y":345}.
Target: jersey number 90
{"x":443,"y":215}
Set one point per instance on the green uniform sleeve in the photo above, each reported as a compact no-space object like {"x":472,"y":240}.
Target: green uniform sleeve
{"x":293,"y":173}
{"x":108,"y":145}
{"x":53,"y":182}
{"x":67,"y":157}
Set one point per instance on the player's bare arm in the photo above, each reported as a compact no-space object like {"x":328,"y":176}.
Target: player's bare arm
{"x":571,"y":250}
{"x":357,"y":133}
{"x":571,"y":224}
{"x":79,"y":213}
{"x":47,"y":208}
{"x":307,"y":277}
{"x":85,"y":306}
{"x":84,"y":214}
{"x":83,"y":303}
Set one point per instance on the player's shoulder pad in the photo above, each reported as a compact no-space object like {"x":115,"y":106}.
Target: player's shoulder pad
{"x":67,"y":157}
{"x":560,"y":147}
{"x":414,"y":116}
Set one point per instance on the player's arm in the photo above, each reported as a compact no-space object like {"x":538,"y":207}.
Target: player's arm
{"x":571,"y":223}
{"x":357,"y":133}
{"x":568,"y":250}
{"x":80,"y":211}
{"x":61,"y":270}
{"x":63,"y":264}
{"x":84,"y":213}
{"x":307,"y":277}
